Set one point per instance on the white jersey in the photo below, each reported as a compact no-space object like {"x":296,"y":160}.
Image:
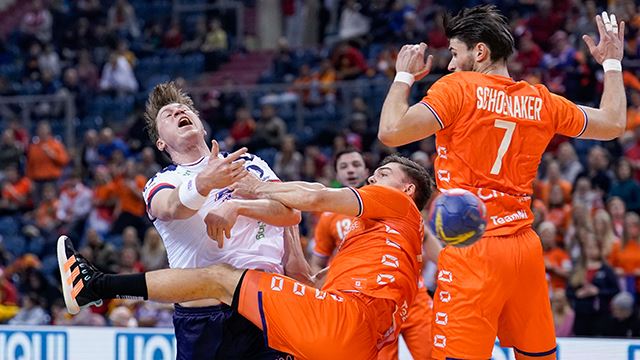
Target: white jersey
{"x":253,"y":244}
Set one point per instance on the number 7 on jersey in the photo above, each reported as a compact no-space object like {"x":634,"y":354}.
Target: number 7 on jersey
{"x":510,"y":127}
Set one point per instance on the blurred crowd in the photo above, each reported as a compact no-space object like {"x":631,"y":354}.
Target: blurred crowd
{"x":587,"y":196}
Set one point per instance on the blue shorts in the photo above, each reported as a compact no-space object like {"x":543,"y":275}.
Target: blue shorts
{"x":218,"y":332}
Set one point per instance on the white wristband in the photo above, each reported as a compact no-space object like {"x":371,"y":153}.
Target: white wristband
{"x":189,"y":195}
{"x":612,"y":65}
{"x":404,"y":77}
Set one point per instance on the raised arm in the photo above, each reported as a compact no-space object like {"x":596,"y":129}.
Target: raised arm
{"x":399,"y":123}
{"x":610,"y":119}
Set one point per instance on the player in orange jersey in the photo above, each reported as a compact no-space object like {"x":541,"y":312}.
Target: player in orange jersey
{"x":370,"y":285}
{"x":331,"y":230}
{"x":491,"y":132}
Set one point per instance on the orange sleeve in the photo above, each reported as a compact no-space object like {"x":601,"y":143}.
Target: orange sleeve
{"x":324,"y":244}
{"x":569,"y":119}
{"x":62,"y":158}
{"x":614,"y":256}
{"x":378,"y":202}
{"x":445,"y":99}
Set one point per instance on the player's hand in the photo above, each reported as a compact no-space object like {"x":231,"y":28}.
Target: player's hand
{"x":411,"y":59}
{"x":220,"y":172}
{"x":220,"y":221}
{"x":246,"y":187}
{"x":611,"y":45}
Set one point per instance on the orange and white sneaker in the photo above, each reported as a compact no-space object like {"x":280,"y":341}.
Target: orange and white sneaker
{"x":77,"y":275}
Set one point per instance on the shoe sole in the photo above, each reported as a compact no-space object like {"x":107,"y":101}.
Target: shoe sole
{"x":69,"y":301}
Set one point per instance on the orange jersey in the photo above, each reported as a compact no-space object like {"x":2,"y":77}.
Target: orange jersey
{"x":561,"y":259}
{"x":381,"y":255}
{"x":330,"y":230}
{"x":494,"y":132}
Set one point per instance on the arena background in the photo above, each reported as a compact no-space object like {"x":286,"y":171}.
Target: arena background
{"x":295,"y":81}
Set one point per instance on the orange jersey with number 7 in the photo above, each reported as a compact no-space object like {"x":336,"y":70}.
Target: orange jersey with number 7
{"x":494,"y":132}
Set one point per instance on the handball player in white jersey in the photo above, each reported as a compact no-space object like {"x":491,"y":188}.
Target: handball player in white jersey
{"x":201,"y":224}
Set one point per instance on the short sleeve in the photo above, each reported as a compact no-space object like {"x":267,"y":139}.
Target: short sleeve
{"x":165,"y":179}
{"x":444,"y":99}
{"x":324,"y":244}
{"x":569,"y":119}
{"x":378,"y":202}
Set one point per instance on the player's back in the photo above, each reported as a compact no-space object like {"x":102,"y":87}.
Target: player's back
{"x":330,"y":230}
{"x":494,"y":132}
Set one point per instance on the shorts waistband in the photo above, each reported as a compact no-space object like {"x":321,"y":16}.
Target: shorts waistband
{"x":205,"y":310}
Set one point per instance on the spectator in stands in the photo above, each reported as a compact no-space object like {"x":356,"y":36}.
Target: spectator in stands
{"x":8,"y":298}
{"x":130,"y":206}
{"x":130,"y":238}
{"x":130,"y":261}
{"x":529,"y":55}
{"x":109,"y":143}
{"x":270,"y":129}
{"x":11,"y":151}
{"x":122,"y":19}
{"x":216,"y":38}
{"x":623,"y":321}
{"x":633,"y":153}
{"x":16,"y":192}
{"x":102,"y":254}
{"x":197,"y":39}
{"x":349,"y":62}
{"x":31,"y":312}
{"x":284,"y":68}
{"x":626,"y":187}
{"x":625,"y":259}
{"x":559,"y":211}
{"x":37,"y":283}
{"x":117,"y":76}
{"x":153,"y":255}
{"x":37,"y":23}
{"x":45,"y":213}
{"x":48,"y":60}
{"x":353,"y":23}
{"x":544,"y":23}
{"x":78,"y":38}
{"x":585,"y":195}
{"x":104,"y":202}
{"x":91,"y":9}
{"x":153,"y":314}
{"x":563,"y":314}
{"x":327,"y":78}
{"x":121,"y":316}
{"x":243,"y":126}
{"x":554,"y":177}
{"x":633,"y":112}
{"x":46,"y":156}
{"x":289,"y":162}
{"x":173,"y":37}
{"x":20,"y":134}
{"x":570,"y":166}
{"x":74,"y":207}
{"x":603,"y":231}
{"x":89,"y":154}
{"x":617,"y":210}
{"x":598,"y":170}
{"x":592,"y":285}
{"x":556,"y":260}
{"x":148,"y":164}
{"x":87,"y":71}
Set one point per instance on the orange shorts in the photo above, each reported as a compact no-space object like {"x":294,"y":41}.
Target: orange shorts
{"x":495,"y":287}
{"x":416,"y":331}
{"x":312,"y":324}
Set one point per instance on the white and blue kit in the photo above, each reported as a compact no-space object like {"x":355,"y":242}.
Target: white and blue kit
{"x":201,"y":332}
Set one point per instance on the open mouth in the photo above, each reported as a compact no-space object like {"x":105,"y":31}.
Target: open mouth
{"x":352,"y":179}
{"x":184,"y":121}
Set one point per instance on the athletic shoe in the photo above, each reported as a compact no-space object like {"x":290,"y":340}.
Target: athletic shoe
{"x":77,"y":276}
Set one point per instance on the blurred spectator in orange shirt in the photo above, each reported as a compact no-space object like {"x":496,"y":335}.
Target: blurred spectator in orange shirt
{"x":130,"y":207}
{"x":554,"y":177}
{"x":625,"y":258}
{"x":633,"y":111}
{"x":104,"y":201}
{"x":45,"y":214}
{"x":559,"y":212}
{"x":16,"y":192}
{"x":556,"y":260}
{"x":46,"y":157}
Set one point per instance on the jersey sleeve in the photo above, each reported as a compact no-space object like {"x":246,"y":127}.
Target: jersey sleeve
{"x":444,"y":99}
{"x":378,"y":202}
{"x":165,"y":179}
{"x":324,"y":244}
{"x":569,"y":119}
{"x":259,"y":167}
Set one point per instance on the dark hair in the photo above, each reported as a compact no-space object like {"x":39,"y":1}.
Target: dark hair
{"x":481,"y":24}
{"x":417,"y":175}
{"x":162,"y":95}
{"x":348,"y":150}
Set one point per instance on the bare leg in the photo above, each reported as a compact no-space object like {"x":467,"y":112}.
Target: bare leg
{"x":181,"y":285}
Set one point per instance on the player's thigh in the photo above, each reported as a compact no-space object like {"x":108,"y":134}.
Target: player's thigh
{"x":467,"y":303}
{"x":416,"y":331}
{"x":526,"y":322}
{"x":306,"y":322}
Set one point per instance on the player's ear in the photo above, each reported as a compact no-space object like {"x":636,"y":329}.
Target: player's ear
{"x":160,"y":144}
{"x":481,"y":52}
{"x":410,"y":189}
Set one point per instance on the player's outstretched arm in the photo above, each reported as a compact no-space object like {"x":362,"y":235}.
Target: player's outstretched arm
{"x":300,"y":195}
{"x":185,"y":200}
{"x":399,"y":123}
{"x":609,"y":120}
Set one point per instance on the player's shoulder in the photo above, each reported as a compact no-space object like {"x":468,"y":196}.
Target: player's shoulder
{"x":169,"y":173}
